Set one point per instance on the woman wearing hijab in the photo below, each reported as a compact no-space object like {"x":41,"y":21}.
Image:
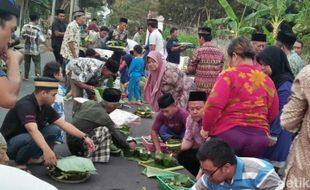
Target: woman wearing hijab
{"x":163,"y":79}
{"x":275,"y":64}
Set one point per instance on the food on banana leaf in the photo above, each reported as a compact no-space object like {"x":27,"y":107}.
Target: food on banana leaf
{"x":159,"y":158}
{"x":124,"y":130}
{"x":116,"y":44}
{"x":174,"y":144}
{"x":141,"y":153}
{"x":70,"y":175}
{"x":144,"y":155}
{"x":129,"y":153}
{"x":72,"y":168}
{"x":144,"y":112}
{"x":169,"y":161}
{"x":179,"y":181}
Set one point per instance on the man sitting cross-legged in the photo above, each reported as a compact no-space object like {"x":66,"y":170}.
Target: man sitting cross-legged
{"x":31,"y":127}
{"x":93,"y":119}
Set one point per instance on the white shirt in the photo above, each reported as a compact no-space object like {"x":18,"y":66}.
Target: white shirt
{"x":157,"y":39}
{"x":15,"y":179}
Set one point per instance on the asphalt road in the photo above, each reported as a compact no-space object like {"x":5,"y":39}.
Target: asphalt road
{"x":117,"y":174}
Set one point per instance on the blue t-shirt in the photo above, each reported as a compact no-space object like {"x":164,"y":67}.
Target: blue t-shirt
{"x":173,"y":56}
{"x":136,"y":67}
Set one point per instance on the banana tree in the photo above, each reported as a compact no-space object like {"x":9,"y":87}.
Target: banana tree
{"x":276,"y":10}
{"x":302,"y":27}
{"x":238,"y":26}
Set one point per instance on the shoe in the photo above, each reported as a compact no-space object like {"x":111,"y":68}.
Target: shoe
{"x":25,"y":78}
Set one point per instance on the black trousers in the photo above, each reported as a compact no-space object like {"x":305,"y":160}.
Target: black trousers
{"x":59,"y":58}
{"x":188,"y":160}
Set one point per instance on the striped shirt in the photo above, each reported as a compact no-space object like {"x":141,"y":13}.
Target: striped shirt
{"x":251,"y":173}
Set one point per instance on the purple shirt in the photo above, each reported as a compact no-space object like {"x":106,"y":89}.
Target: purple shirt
{"x":176,"y":123}
{"x":192,"y":133}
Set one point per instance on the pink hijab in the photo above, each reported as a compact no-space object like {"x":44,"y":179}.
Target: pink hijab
{"x":152,"y":88}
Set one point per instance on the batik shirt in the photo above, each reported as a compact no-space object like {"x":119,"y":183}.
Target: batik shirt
{"x":206,"y":63}
{"x":72,"y":34}
{"x":174,"y":81}
{"x":242,"y":96}
{"x":192,"y":132}
{"x":295,"y":61}
{"x":86,"y":70}
{"x":118,"y":36}
{"x":33,"y":37}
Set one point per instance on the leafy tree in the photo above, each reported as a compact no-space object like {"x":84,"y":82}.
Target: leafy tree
{"x":135,"y":10}
{"x":277,"y":11}
{"x":302,"y":28}
{"x":188,"y":13}
{"x":237,"y":26}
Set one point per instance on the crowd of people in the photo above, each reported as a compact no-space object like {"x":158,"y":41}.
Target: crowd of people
{"x":244,"y":127}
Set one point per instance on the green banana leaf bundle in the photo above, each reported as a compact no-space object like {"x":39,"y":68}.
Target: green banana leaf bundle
{"x":124,"y":130}
{"x":116,"y":44}
{"x":174,"y":144}
{"x":145,"y":112}
{"x":72,"y":168}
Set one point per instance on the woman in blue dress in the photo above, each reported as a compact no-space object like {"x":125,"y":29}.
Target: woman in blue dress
{"x":275,"y":64}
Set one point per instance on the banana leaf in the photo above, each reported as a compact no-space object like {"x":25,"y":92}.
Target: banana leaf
{"x":98,"y":95}
{"x":75,"y":163}
{"x":153,"y":172}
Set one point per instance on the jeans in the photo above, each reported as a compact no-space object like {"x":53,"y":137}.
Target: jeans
{"x":22,"y":147}
{"x":166,"y":133}
{"x":37,"y":64}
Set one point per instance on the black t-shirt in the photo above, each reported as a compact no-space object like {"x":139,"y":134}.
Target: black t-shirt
{"x":173,"y":56}
{"x":60,"y":27}
{"x":26,"y":111}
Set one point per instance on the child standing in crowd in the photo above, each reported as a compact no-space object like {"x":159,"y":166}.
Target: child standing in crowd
{"x":136,"y":70}
{"x":53,"y":70}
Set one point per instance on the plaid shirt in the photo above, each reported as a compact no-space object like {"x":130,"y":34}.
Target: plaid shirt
{"x":33,"y":37}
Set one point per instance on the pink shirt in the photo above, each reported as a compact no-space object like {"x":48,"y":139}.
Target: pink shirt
{"x":192,"y":132}
{"x":241,"y":96}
